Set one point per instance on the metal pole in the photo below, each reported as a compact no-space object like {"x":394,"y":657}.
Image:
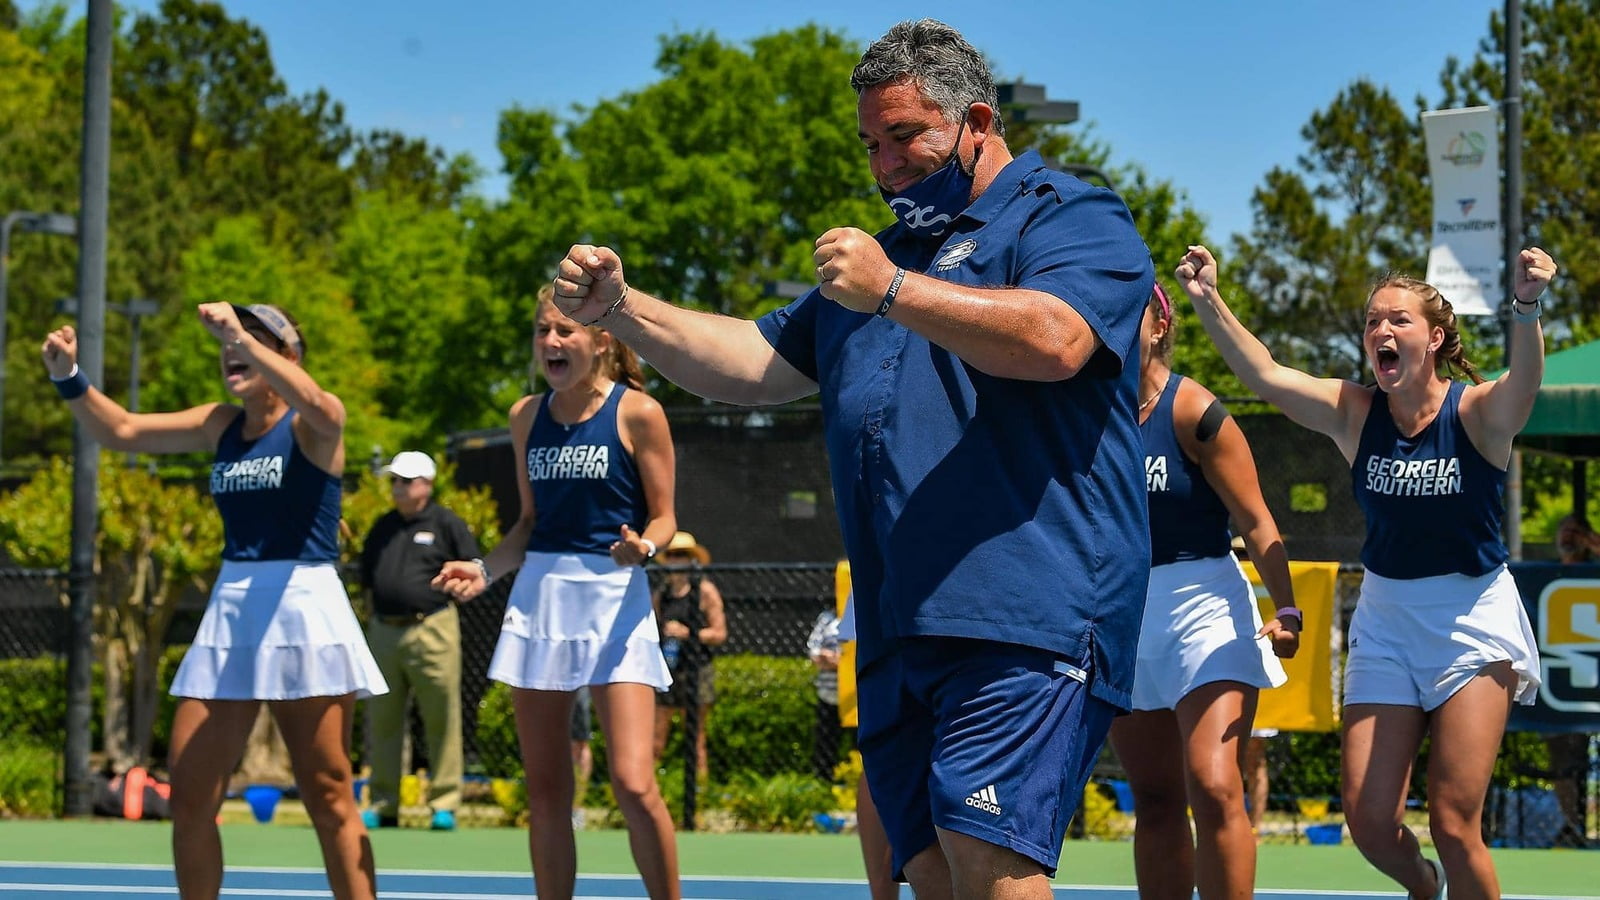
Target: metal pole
{"x":95,"y":181}
{"x":133,"y":377}
{"x":5,"y":259}
{"x":691,"y":706}
{"x":1512,"y":105}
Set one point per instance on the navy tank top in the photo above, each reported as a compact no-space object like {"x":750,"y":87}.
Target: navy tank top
{"x":585,"y":485}
{"x":1187,"y":518}
{"x":275,"y":503}
{"x":1433,"y":504}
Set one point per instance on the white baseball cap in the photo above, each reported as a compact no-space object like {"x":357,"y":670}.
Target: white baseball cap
{"x":412,"y":464}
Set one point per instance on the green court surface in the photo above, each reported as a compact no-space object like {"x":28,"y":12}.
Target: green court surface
{"x":1316,"y":868}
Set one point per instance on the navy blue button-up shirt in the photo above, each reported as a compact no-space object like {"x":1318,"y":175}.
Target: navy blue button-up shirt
{"x":984,"y":507}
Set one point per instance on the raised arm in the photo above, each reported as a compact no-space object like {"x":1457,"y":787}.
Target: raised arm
{"x":321,"y":412}
{"x":1495,"y":411}
{"x":109,"y":424}
{"x":1331,"y":406}
{"x":717,"y":357}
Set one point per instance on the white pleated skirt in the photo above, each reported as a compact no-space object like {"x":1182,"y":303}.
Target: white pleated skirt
{"x":1416,"y":641}
{"x":578,"y":619}
{"x":1200,"y":624}
{"x":278,"y":630}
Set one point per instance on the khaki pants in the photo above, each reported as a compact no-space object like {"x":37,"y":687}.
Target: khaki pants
{"x":421,"y":660}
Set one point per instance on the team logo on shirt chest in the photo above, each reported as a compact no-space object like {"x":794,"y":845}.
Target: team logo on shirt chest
{"x":1155,"y":473}
{"x":569,"y":461}
{"x":955,"y":256}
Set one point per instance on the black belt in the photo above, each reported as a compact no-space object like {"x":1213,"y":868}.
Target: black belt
{"x":406,"y":620}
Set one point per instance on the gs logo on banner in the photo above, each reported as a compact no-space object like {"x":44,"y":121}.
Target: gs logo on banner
{"x":1569,"y":644}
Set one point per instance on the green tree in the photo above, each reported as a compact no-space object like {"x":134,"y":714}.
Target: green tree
{"x":1356,"y":206}
{"x":407,"y":268}
{"x":238,"y":264}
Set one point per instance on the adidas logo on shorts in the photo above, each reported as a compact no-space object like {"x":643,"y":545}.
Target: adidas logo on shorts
{"x":985,"y":800}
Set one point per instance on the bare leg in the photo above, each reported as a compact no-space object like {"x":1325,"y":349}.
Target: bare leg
{"x":703,"y":770}
{"x":1380,"y":743}
{"x":875,"y":853}
{"x":980,"y":870}
{"x":625,"y":718}
{"x":544,"y":719}
{"x":662,"y":731}
{"x":929,"y":874}
{"x":208,"y":737}
{"x":1255,"y":779}
{"x":1215,"y":721}
{"x":317,"y":731}
{"x":1466,"y":738}
{"x":1149,"y":746}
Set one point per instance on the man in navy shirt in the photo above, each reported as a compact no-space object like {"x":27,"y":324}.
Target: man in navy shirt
{"x":976,"y":367}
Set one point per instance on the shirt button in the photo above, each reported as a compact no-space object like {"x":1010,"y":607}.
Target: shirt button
{"x":888,"y":364}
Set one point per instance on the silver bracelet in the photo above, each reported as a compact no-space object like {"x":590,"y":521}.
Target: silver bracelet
{"x":612,"y":308}
{"x":483,"y":569}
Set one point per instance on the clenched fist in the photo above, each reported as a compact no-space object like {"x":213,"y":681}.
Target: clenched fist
{"x":588,"y":281}
{"x":852,"y":269}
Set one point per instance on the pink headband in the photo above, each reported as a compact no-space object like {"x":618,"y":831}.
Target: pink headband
{"x":1166,"y":305}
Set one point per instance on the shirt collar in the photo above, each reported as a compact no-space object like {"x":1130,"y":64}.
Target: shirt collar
{"x":1005,"y":185}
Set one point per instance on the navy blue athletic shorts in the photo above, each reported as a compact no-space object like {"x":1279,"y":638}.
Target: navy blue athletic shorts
{"x":988,"y":739}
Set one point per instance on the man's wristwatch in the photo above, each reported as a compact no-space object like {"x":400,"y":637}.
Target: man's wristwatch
{"x":483,"y":569}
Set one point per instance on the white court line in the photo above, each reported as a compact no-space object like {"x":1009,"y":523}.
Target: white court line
{"x":271,"y":892}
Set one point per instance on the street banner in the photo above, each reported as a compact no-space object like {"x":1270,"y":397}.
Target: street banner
{"x":1467,"y":251}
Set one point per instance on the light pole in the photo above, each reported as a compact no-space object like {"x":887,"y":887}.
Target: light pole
{"x":135,"y":309}
{"x":1027,"y":103}
{"x":44,"y":223}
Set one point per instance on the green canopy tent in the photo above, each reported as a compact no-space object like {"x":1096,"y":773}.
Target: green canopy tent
{"x":1566,"y":414}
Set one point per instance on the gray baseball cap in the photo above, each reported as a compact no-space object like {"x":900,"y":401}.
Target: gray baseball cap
{"x":273,"y":319}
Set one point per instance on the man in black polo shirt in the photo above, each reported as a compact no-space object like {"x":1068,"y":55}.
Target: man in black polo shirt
{"x":415,"y":634}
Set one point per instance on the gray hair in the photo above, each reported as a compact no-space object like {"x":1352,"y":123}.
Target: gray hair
{"x":938,"y":60}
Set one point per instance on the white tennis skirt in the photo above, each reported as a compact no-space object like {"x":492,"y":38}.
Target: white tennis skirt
{"x":577,"y":619}
{"x":278,"y":630}
{"x":1200,"y":624}
{"x":1416,"y":641}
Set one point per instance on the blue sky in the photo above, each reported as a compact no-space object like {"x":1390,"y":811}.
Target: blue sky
{"x":1209,"y":95}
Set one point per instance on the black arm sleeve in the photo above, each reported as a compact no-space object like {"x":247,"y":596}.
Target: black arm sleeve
{"x":1211,"y":421}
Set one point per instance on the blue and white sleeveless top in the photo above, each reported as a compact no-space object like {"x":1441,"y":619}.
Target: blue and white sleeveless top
{"x":1433,"y":504}
{"x":1187,"y":518}
{"x":585,"y":485}
{"x":275,"y":503}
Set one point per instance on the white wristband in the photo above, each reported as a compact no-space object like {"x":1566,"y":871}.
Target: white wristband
{"x":650,"y":552}
{"x":1532,"y":315}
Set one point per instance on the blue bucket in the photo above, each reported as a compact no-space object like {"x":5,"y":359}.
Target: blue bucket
{"x":1124,"y":792}
{"x":263,"y":800}
{"x":1325,"y":834}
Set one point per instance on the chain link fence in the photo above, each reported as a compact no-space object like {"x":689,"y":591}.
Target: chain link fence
{"x":33,"y":679}
{"x":773,"y":763}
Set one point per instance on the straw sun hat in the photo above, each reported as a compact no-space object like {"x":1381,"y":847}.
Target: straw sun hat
{"x":684,"y":542}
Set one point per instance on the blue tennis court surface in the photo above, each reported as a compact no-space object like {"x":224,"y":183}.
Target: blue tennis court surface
{"x":29,"y":881}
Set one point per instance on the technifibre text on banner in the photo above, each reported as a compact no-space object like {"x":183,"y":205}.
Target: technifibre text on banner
{"x":1464,"y":162}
